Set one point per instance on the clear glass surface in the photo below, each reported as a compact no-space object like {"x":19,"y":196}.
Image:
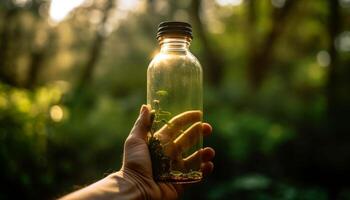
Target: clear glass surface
{"x":174,"y":86}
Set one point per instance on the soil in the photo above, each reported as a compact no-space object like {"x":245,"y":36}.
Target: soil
{"x":180,"y":177}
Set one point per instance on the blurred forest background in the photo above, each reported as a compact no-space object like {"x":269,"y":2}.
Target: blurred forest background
{"x":277,"y":92}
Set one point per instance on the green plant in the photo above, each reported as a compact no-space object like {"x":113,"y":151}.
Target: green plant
{"x":160,"y":162}
{"x":160,"y":116}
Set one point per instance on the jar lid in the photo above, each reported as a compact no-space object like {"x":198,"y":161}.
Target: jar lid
{"x":174,"y":28}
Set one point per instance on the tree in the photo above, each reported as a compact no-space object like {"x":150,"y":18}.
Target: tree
{"x":261,"y":57}
{"x":213,"y":63}
{"x":333,"y":31}
{"x":97,"y":46}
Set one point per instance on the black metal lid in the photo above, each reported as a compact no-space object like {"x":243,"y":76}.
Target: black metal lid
{"x":174,"y":28}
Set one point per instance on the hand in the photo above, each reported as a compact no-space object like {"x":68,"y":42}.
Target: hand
{"x":134,"y":180}
{"x":137,"y":164}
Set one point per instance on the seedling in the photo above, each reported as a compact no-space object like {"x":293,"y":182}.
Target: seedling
{"x":161,"y":163}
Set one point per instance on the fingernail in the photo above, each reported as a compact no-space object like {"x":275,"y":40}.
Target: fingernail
{"x":143,"y":109}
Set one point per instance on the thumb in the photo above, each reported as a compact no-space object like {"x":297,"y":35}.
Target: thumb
{"x":142,"y":124}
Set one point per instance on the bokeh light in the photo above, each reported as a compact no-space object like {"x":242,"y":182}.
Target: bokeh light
{"x":73,"y":74}
{"x":229,"y":2}
{"x":56,"y":113}
{"x":323,"y":58}
{"x":59,"y":9}
{"x":342,"y":43}
{"x":278,"y":3}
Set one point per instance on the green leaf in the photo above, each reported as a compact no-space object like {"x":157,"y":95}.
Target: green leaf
{"x":162,"y":93}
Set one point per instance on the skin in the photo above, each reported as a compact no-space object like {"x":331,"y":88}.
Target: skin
{"x":137,"y":158}
{"x":134,"y":180}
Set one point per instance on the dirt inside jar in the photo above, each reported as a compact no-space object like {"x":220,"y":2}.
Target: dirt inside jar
{"x":177,"y":176}
{"x":161,"y":166}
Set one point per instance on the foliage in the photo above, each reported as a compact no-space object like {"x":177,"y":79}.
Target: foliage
{"x":161,"y":164}
{"x":276,"y":92}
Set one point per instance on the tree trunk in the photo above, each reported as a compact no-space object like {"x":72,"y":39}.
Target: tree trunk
{"x":333,"y":31}
{"x":261,"y":57}
{"x":213,"y":65}
{"x":95,"y":50}
{"x":7,"y":73}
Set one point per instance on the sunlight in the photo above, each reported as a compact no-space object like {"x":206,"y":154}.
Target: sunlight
{"x":20,"y":2}
{"x":342,"y":43}
{"x":344,"y":3}
{"x":229,"y":2}
{"x":278,"y":3}
{"x":323,"y":58}
{"x":56,"y":113}
{"x":128,"y":4}
{"x":59,"y":9}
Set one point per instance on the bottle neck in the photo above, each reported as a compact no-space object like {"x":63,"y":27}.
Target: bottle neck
{"x":174,"y":43}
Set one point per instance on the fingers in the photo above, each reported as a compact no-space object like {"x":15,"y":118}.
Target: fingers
{"x":203,"y":155}
{"x":142,"y":124}
{"x":178,"y":123}
{"x":208,"y":154}
{"x":184,"y":119}
{"x":189,"y":138}
{"x":207,"y":168}
{"x":186,"y":140}
{"x":207,"y":129}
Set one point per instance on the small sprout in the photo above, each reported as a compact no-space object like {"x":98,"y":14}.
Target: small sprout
{"x":166,"y":122}
{"x":162,"y":93}
{"x":161,"y":163}
{"x":156,"y":106}
{"x":156,"y":101}
{"x":153,"y":115}
{"x":162,"y":112}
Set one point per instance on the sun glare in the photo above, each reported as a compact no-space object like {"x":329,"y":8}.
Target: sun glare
{"x":59,"y":9}
{"x":56,"y":113}
{"x":229,"y":2}
{"x":128,"y":4}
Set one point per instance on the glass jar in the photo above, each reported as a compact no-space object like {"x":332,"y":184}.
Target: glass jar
{"x":174,"y":91}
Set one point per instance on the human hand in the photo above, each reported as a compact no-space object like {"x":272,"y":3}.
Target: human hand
{"x":137,"y":166}
{"x":135,"y":179}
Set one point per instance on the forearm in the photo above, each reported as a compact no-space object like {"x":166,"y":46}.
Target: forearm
{"x":114,"y":186}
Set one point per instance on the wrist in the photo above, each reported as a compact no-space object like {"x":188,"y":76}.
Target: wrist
{"x":128,"y":188}
{"x":136,"y":181}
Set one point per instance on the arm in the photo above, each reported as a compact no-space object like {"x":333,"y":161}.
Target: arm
{"x":114,"y":186}
{"x":134,"y":180}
